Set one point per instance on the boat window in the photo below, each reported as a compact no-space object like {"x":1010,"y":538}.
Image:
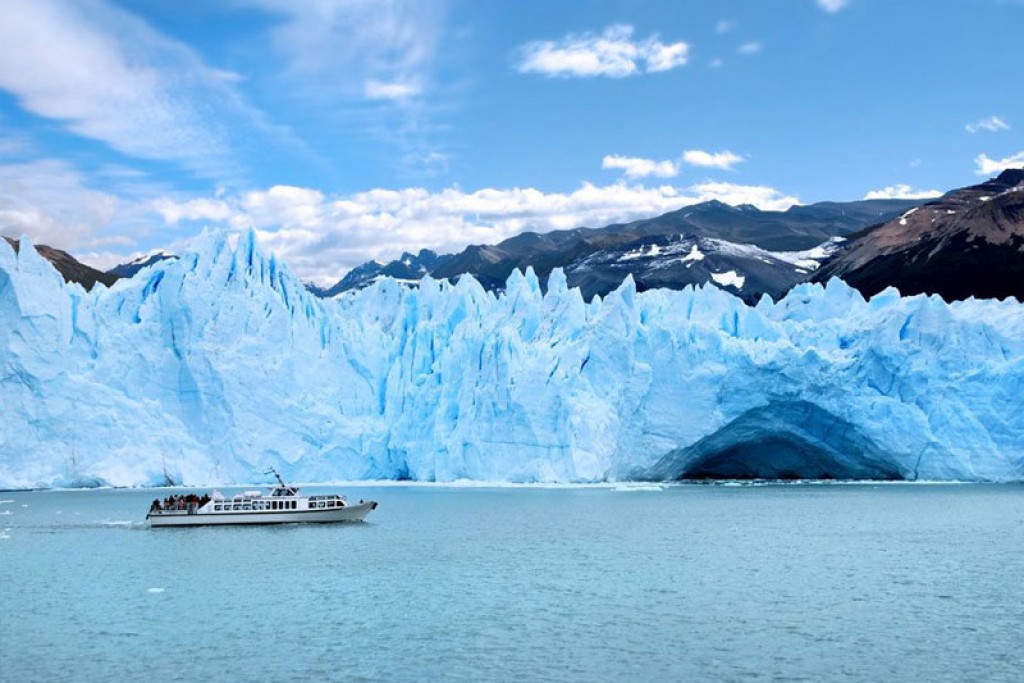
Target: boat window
{"x":237,"y":506}
{"x":295,"y":504}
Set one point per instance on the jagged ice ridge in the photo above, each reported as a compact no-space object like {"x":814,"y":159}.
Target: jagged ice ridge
{"x":209,"y":368}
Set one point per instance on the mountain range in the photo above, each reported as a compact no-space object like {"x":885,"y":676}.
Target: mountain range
{"x":752,"y":252}
{"x":969,"y":242}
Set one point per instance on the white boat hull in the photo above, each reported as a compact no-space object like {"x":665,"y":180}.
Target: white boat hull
{"x":349,"y":513}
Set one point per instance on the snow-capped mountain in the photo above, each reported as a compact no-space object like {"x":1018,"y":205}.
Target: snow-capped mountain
{"x":967,"y":243}
{"x":211,"y":367}
{"x":408,"y":268}
{"x":680,"y":261}
{"x":135,"y":265}
{"x":800,"y":228}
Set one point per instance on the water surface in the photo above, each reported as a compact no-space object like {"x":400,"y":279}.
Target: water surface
{"x":811,"y":582}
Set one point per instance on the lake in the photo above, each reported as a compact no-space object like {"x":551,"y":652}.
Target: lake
{"x":787,"y":581}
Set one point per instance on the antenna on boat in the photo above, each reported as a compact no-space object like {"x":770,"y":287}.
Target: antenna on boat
{"x":277,"y":476}
{"x":290,"y":489}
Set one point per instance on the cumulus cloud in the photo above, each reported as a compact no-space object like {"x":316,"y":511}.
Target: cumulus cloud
{"x":986,"y":166}
{"x":902,"y":191}
{"x":613,"y":53}
{"x":637,"y":167}
{"x":724,"y":160}
{"x":724,"y":26}
{"x":992,"y":124}
{"x":51,"y":202}
{"x":749,"y":48}
{"x":832,"y":6}
{"x":321,"y":235}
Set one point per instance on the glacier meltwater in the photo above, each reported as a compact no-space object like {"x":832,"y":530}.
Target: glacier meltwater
{"x":212,"y":367}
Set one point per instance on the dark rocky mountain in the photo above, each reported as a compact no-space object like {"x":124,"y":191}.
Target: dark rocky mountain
{"x":129,"y":269}
{"x":70,"y":268}
{"x":969,"y":242}
{"x":798,"y":228}
{"x":407,"y":268}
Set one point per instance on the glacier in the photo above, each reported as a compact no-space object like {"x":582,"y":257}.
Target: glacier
{"x":212,"y":367}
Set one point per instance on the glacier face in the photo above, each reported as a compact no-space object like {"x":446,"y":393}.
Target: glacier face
{"x":210,"y":368}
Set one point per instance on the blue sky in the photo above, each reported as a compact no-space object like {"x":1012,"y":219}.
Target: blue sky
{"x":344,"y":130}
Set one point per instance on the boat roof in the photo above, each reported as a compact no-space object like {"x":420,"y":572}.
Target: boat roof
{"x":284,"y":490}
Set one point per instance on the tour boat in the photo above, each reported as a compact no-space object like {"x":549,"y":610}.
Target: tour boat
{"x":283,"y":505}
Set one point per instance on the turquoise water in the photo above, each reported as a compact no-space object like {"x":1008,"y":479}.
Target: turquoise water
{"x":812,"y":582}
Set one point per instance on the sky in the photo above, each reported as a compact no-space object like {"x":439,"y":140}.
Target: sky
{"x":349,"y":130}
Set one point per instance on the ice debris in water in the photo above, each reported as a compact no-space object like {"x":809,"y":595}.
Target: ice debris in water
{"x":214,"y":366}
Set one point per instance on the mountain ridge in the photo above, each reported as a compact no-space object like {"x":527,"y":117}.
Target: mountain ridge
{"x":969,"y":242}
{"x":70,"y":268}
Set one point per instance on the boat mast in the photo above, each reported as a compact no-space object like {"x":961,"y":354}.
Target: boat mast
{"x":280,"y":480}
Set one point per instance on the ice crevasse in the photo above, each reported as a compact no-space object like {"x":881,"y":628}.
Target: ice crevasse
{"x":212,"y":367}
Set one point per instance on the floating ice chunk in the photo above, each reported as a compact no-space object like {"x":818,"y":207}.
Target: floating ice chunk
{"x":637,"y":487}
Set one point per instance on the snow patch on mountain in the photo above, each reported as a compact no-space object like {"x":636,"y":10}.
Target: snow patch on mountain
{"x":729,"y":279}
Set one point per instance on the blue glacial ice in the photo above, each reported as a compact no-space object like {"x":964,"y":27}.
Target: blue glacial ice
{"x":210,"y":368}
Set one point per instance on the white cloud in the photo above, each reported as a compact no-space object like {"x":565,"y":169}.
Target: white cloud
{"x":50,"y":201}
{"x":749,"y":48}
{"x":334,"y":48}
{"x":320,"y":236}
{"x":902,"y":191}
{"x":367,"y":68}
{"x":661,"y":57}
{"x":986,"y":166}
{"x":200,"y":209}
{"x":636,"y":167}
{"x":724,"y":160}
{"x":105,"y":74}
{"x":832,"y":6}
{"x":992,"y":124}
{"x":15,"y":145}
{"x":716,"y":63}
{"x":725,"y":25}
{"x":613,"y":53}
{"x":377,"y":90}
